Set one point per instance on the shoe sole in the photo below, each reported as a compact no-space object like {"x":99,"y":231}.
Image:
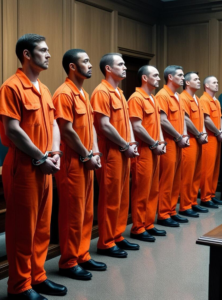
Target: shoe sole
{"x":155,"y":234}
{"x":143,"y":240}
{"x":167,"y":225}
{"x":210,"y":206}
{"x":91,"y":269}
{"x":189,"y":216}
{"x":110,"y":255}
{"x":75,"y":277}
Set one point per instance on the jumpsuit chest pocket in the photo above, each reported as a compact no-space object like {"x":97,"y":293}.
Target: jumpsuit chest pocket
{"x":194,"y":111}
{"x":117,"y":110}
{"x":31,"y":113}
{"x":51,"y":111}
{"x":174,"y":112}
{"x":149,"y":115}
{"x":80,"y":117}
{"x":214,"y":111}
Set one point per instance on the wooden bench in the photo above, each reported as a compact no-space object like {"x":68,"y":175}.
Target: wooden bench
{"x":213,"y":239}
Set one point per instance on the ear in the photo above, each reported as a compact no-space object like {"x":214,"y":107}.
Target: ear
{"x":170,"y":77}
{"x":72,"y":66}
{"x":26,"y":54}
{"x":187,"y":82}
{"x":108,"y":69}
{"x":144,"y":78}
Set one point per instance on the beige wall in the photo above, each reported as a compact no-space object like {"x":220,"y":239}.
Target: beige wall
{"x":98,"y":27}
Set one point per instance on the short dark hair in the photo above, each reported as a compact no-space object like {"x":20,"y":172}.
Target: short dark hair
{"x":206,"y":79}
{"x":107,"y":59}
{"x":144,"y":70}
{"x":187,"y":77}
{"x":27,"y":41}
{"x":171,"y":70}
{"x":71,"y":56}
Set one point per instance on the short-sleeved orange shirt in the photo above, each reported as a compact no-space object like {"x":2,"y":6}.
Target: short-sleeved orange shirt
{"x":72,"y":106}
{"x":20,"y":100}
{"x":194,"y":111}
{"x":105,"y":100}
{"x":173,"y":108}
{"x":141,"y":106}
{"x":212,"y":108}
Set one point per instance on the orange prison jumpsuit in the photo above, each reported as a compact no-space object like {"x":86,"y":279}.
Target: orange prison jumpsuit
{"x":28,"y":192}
{"x":170,"y":163}
{"x":145,"y":168}
{"x":74,"y":181}
{"x":113,"y":177}
{"x":191,"y":156}
{"x":211,"y":150}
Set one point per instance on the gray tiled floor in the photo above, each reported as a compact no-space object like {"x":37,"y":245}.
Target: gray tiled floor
{"x":172,"y":268}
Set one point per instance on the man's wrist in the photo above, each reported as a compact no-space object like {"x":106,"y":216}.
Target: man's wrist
{"x":178,"y":139}
{"x":217,"y":133}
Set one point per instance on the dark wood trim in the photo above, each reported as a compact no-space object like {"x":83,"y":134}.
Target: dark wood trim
{"x":135,"y":53}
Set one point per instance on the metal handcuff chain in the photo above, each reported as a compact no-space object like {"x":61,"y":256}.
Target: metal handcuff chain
{"x":46,"y":155}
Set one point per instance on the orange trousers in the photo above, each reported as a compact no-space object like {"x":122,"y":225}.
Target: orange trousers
{"x":113,"y":206}
{"x":75,"y":188}
{"x":28,"y":194}
{"x":191,"y":174}
{"x":144,"y":190}
{"x":210,"y":168}
{"x":170,"y":177}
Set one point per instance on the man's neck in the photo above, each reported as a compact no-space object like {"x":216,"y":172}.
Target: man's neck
{"x":30,"y":73}
{"x":172,"y":87}
{"x":114,"y":83}
{"x":77,"y":81}
{"x":147,"y":89}
{"x":212,"y":94}
{"x":191,"y":92}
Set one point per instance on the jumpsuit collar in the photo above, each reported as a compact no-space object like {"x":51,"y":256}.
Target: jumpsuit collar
{"x":188,"y":95}
{"x":74,"y":89}
{"x":143,"y":93}
{"x":169,"y":91}
{"x":26,"y":81}
{"x":111,"y":88}
{"x":209,"y":97}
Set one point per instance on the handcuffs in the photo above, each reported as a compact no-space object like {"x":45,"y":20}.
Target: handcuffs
{"x":47,"y":154}
{"x":176,"y":140}
{"x":89,"y":156}
{"x":217,"y":134}
{"x":156,"y":144}
{"x":122,"y":149}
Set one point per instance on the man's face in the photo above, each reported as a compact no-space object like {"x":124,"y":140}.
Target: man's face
{"x":194,"y":82}
{"x":118,"y":69}
{"x":84,"y":67}
{"x":153,"y":77}
{"x":40,"y":56}
{"x":212,"y":84}
{"x":178,"y":78}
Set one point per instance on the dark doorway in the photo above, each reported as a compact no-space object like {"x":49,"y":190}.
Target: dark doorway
{"x":131,"y":82}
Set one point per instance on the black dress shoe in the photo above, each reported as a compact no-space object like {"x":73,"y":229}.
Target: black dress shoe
{"x":179,"y":219}
{"x":216,"y":201}
{"x":49,"y":287}
{"x":114,"y":251}
{"x":76,"y":272}
{"x":144,"y":236}
{"x":125,"y":245}
{"x":189,"y":213}
{"x":27,"y":295}
{"x":93,"y":265}
{"x":168,"y":222}
{"x":199,"y":209}
{"x":208,"y":204}
{"x":156,"y":232}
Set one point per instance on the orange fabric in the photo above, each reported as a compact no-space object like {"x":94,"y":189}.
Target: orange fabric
{"x":191,"y":156}
{"x":211,"y":150}
{"x":145,"y":168}
{"x":74,"y":181}
{"x":113,"y":177}
{"x":27,"y":191}
{"x":170,"y":163}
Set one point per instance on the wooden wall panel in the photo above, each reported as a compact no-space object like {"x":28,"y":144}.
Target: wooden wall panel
{"x":220,"y":59}
{"x":134,"y":35}
{"x":188,"y":46}
{"x":9,"y":33}
{"x":92,"y":32}
{"x":45,"y":18}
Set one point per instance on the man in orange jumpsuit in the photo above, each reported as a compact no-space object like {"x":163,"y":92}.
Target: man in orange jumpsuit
{"x":29,"y":130}
{"x":116,"y":142}
{"x":211,"y":151}
{"x":144,"y":115}
{"x":172,"y":122}
{"x":191,"y":156}
{"x":75,"y":179}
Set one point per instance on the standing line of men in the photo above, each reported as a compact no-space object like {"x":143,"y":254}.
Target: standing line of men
{"x":109,"y":135}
